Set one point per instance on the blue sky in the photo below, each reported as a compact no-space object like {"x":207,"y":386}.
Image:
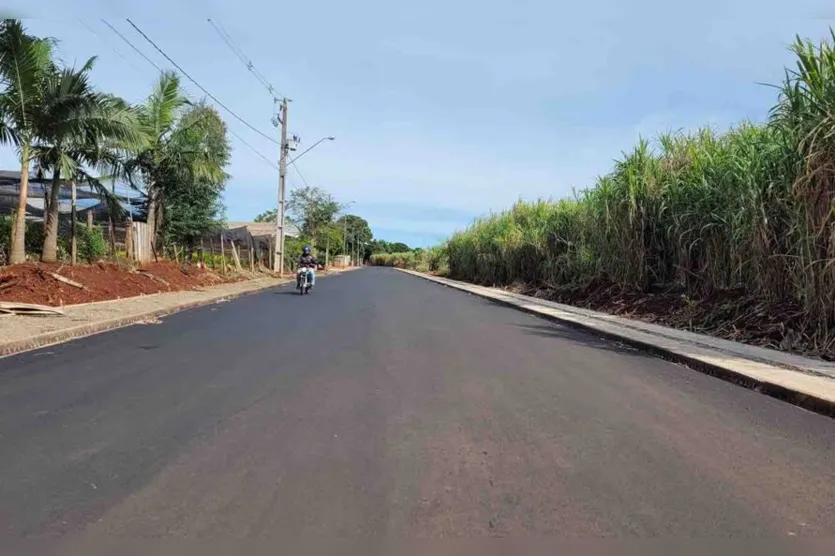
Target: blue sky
{"x":447,"y":110}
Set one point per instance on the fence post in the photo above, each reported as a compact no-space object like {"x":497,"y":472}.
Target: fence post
{"x":112,"y":232}
{"x":129,"y":239}
{"x":235,"y":255}
{"x":251,"y":255}
{"x":222,"y":254}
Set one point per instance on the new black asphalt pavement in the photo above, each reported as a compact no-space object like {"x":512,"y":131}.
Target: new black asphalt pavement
{"x":385,"y":405}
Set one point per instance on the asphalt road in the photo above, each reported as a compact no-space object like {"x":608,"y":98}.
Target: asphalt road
{"x":384,"y":405}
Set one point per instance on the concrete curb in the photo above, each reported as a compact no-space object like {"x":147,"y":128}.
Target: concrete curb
{"x":809,"y":391}
{"x":89,"y":329}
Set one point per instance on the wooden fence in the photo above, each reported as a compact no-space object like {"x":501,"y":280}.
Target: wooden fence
{"x":140,"y":249}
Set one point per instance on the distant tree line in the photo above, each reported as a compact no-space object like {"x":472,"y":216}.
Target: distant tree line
{"x":316,"y":212}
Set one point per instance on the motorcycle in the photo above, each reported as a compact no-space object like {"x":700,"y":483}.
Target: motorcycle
{"x":303,"y":280}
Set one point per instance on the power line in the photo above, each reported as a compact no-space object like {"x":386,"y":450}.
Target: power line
{"x":251,"y":67}
{"x":241,"y":139}
{"x":229,"y":42}
{"x":296,"y":168}
{"x":253,"y":149}
{"x":227,"y":38}
{"x":190,"y":78}
{"x":138,"y":51}
{"x":113,"y":48}
{"x":131,"y":45}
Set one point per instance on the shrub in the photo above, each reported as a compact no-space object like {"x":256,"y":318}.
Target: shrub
{"x":424,"y":260}
{"x":34,"y":237}
{"x":90,"y":242}
{"x":92,"y":246}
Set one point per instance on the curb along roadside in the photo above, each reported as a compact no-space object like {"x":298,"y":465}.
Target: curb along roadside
{"x":91,"y":328}
{"x":714,"y":362}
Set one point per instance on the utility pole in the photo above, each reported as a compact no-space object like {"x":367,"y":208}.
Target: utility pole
{"x":278,"y":259}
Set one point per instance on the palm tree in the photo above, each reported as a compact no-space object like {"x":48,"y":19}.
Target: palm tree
{"x":167,"y":158}
{"x":158,"y":117}
{"x":79,"y":126}
{"x":24,"y":63}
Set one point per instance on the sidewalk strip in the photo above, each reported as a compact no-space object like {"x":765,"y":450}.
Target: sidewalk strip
{"x":95,"y":327}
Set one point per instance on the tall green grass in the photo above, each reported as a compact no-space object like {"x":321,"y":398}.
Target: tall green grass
{"x":753,"y":207}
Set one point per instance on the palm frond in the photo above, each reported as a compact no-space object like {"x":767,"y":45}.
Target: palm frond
{"x":113,"y":202}
{"x":159,"y":113}
{"x":24,"y":62}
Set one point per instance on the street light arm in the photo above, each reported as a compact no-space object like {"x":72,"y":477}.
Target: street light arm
{"x":311,"y":148}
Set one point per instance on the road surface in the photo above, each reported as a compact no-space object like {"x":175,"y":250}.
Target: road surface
{"x":387,"y":405}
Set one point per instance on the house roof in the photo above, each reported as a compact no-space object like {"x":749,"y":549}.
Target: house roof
{"x":39,"y":188}
{"x":264,"y":229}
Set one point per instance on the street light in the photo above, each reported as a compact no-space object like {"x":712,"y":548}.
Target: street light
{"x":313,"y":146}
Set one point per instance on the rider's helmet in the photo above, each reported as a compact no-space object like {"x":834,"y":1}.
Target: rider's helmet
{"x":306,"y":250}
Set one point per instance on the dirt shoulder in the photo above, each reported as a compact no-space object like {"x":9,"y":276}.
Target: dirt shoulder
{"x":37,"y":283}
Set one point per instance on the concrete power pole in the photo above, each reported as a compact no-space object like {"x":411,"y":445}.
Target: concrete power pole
{"x":278,"y":259}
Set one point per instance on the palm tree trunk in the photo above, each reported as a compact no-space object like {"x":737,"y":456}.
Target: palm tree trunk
{"x":49,"y":253}
{"x":153,"y":202}
{"x":157,"y":239}
{"x":152,"y":213}
{"x":45,"y":206}
{"x":18,"y":250}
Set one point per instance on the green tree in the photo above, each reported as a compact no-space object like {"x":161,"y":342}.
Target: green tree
{"x":25,"y":62}
{"x":357,"y":232}
{"x":356,"y":228}
{"x":383,"y":246}
{"x":312,"y":208}
{"x":267,"y":216}
{"x":380,"y":246}
{"x":170,"y":155}
{"x":329,"y":239}
{"x":78,"y":125}
{"x":192,"y":201}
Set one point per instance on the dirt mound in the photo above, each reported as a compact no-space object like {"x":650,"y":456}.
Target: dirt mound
{"x":36,"y":283}
{"x":731,"y":314}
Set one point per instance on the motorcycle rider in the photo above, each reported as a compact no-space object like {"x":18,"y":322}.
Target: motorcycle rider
{"x":309,"y":261}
